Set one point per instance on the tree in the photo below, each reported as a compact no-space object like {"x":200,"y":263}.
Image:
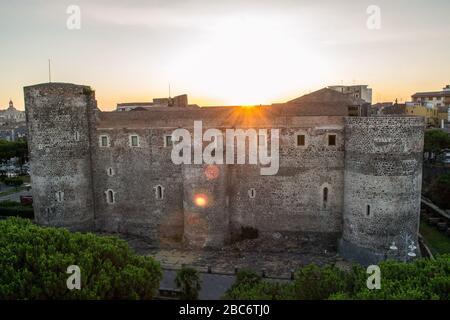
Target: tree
{"x":436,"y":141}
{"x":188,"y":280}
{"x":13,"y":182}
{"x":440,"y":191}
{"x":11,"y":149}
{"x":34,"y":265}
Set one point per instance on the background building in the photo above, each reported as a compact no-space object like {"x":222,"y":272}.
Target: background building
{"x":180,"y":101}
{"x":12,"y":123}
{"x":356,"y":91}
{"x":434,"y":98}
{"x":433,"y":105}
{"x":11,"y":115}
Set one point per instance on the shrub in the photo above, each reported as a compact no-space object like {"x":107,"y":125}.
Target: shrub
{"x":247,"y":277}
{"x":188,"y":280}
{"x":422,"y":279}
{"x":263,"y":290}
{"x":12,"y":208}
{"x":13,"y":182}
{"x":314,"y":283}
{"x":34,"y":261}
{"x":439,"y":191}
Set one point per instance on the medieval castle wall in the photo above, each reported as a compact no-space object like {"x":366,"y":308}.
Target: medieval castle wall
{"x":118,"y":176}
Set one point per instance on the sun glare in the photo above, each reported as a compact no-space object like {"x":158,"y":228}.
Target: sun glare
{"x":247,"y":61}
{"x":200,"y":200}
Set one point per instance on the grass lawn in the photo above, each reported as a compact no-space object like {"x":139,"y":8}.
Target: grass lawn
{"x":11,"y":191}
{"x":437,"y":241}
{"x":25,"y":179}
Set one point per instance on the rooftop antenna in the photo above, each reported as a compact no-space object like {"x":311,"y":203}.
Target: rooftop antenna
{"x":49,"y":71}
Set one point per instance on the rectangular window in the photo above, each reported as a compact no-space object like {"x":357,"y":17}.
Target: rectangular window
{"x":104,"y":141}
{"x":168,"y":141}
{"x":134,"y":141}
{"x":332,"y":140}
{"x":300,"y":140}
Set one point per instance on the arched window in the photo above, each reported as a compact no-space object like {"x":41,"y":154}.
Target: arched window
{"x":110,"y":171}
{"x":159,"y":192}
{"x":110,"y":196}
{"x":325,"y":197}
{"x":368,"y":210}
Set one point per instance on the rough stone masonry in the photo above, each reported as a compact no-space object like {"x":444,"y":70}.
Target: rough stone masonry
{"x":352,"y":181}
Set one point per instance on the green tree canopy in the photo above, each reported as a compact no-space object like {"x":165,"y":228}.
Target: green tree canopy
{"x":34,"y":261}
{"x":436,"y":140}
{"x":11,"y":149}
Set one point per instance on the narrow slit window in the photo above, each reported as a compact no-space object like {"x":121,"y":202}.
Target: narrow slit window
{"x":368,"y":210}
{"x":159,"y":192}
{"x":168,"y":141}
{"x":110,"y":196}
{"x":77,"y":136}
{"x":60,"y":196}
{"x":110,"y":171}
{"x":325,"y":197}
{"x":252,"y":193}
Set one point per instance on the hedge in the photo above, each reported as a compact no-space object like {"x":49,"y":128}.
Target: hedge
{"x":16,"y":209}
{"x":422,"y":279}
{"x":34,"y":262}
{"x":13,"y":181}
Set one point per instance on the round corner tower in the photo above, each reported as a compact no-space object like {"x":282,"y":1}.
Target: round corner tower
{"x":383,"y":177}
{"x":59,"y":120}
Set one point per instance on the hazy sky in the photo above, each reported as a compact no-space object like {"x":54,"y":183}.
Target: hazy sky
{"x":224,"y":52}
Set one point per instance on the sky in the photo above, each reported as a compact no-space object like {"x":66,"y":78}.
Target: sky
{"x":224,"y":52}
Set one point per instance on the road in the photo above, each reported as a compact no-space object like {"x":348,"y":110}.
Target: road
{"x":15,"y":196}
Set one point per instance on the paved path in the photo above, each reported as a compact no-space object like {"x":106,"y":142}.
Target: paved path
{"x":213,"y":286}
{"x":435,"y":208}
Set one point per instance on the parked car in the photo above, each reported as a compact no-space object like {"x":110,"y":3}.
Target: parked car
{"x":26,"y":199}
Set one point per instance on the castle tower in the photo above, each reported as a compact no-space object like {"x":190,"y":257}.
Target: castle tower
{"x":383,"y":176}
{"x":205,"y":204}
{"x":58,"y":120}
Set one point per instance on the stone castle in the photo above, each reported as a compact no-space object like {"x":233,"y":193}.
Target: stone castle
{"x":352,"y":181}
